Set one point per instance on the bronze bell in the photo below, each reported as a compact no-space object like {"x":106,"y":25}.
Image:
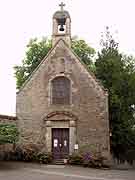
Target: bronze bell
{"x":61,"y":27}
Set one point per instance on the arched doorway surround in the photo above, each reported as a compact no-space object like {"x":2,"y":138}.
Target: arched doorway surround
{"x":64,"y":120}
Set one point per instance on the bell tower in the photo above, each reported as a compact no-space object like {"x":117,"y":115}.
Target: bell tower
{"x":61,"y":26}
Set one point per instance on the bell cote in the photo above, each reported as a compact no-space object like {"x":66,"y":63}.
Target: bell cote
{"x":61,"y":26}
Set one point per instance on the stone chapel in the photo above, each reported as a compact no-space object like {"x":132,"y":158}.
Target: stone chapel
{"x":62,"y":107}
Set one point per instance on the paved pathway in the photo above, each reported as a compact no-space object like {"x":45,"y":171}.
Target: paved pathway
{"x":29,"y":171}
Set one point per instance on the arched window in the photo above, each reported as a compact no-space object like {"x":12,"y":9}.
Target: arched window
{"x":61,"y":90}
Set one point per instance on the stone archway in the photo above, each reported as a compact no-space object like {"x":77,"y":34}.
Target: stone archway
{"x":60,"y":119}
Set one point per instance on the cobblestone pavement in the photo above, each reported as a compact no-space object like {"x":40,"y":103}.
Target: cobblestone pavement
{"x":30,"y":171}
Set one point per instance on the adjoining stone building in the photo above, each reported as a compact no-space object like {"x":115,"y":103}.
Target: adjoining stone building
{"x":62,"y":107}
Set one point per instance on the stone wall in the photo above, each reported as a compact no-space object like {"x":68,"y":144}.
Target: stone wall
{"x":7,"y":119}
{"x":89,"y":103}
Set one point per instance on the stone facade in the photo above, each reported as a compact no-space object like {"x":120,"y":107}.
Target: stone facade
{"x":87,"y":114}
{"x":88,"y":110}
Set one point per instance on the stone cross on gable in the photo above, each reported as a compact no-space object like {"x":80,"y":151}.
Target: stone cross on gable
{"x":61,"y":5}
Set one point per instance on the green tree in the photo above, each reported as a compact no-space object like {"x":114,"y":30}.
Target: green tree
{"x":117,"y":75}
{"x":84,"y":51}
{"x":8,"y":133}
{"x":38,"y":49}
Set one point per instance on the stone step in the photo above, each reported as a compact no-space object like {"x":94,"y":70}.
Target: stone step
{"x":59,"y":162}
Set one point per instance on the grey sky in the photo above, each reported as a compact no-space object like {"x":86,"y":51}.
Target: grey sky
{"x":21,"y":20}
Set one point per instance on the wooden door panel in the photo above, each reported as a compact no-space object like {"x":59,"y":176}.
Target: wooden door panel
{"x":55,"y":143}
{"x":65,"y":142}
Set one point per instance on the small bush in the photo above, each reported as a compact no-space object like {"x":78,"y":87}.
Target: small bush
{"x":87,"y":160}
{"x":44,"y":158}
{"x":76,"y":159}
{"x":29,"y":152}
{"x":28,"y":156}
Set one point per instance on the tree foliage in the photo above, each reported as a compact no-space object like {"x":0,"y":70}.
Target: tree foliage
{"x":83,"y":50}
{"x":38,"y":49}
{"x":117,"y":74}
{"x":8,"y":133}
